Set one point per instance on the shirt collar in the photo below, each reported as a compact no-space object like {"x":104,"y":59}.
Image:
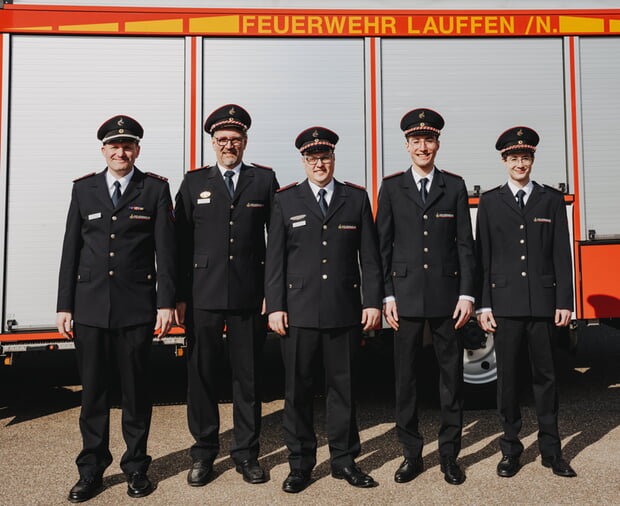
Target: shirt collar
{"x":417,"y":177}
{"x":528,"y":188}
{"x":236,"y":169}
{"x":124,"y":181}
{"x":329,"y":188}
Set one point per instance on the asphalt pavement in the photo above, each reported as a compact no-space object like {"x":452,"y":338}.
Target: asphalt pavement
{"x":39,"y":440}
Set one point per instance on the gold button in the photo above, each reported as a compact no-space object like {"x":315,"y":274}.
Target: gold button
{"x":112,"y":236}
{"x":354,"y":285}
{"x":522,"y":241}
{"x":231,"y":222}
{"x":232,"y":240}
{"x":524,"y":274}
{"x":324,"y":276}
{"x":324,"y":243}
{"x":324,"y":227}
{"x":492,"y":285}
{"x":114,"y":218}
{"x":425,"y":250}
{"x":290,"y":285}
{"x":195,"y":266}
{"x":112,"y":253}
{"x":426,"y":232}
{"x":522,"y":257}
{"x":79,"y":277}
{"x":521,"y":227}
{"x":149,"y":276}
{"x":262,"y":262}
{"x":425,"y":216}
{"x":230,"y":257}
{"x":111,"y":273}
{"x":426,"y":266}
{"x":324,"y":260}
{"x":232,"y":206}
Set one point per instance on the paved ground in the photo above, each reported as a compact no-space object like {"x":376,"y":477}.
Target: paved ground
{"x":39,"y":439}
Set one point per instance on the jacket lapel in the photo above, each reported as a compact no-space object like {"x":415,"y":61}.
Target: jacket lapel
{"x":246,"y":176}
{"x":509,"y":199}
{"x":309,"y":199}
{"x":411,"y":189}
{"x":534,"y":197}
{"x":134,"y":188}
{"x":100,"y":189}
{"x":337,"y":201}
{"x":436,"y":190}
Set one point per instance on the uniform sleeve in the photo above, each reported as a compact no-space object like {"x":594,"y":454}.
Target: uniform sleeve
{"x":370,"y":260}
{"x":562,"y":260}
{"x":385,"y":230}
{"x":165,"y":250}
{"x":483,"y":257}
{"x":274,"y":188}
{"x":185,"y":241}
{"x":71,"y":248}
{"x":465,"y":244}
{"x":275,"y":264}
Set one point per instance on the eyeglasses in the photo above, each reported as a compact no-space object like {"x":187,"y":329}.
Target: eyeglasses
{"x":223,"y":141}
{"x":311,"y":160}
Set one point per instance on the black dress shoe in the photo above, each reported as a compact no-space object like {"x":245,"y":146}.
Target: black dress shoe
{"x":452,"y":473}
{"x":139,"y":485}
{"x":252,"y":472}
{"x":354,"y":476}
{"x":408,"y":470}
{"x":508,"y":466}
{"x":296,"y":481}
{"x":559,"y":466}
{"x":200,"y":473}
{"x":85,"y":489}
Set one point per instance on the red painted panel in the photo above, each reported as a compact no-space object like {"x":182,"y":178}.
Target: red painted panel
{"x":600,"y":280}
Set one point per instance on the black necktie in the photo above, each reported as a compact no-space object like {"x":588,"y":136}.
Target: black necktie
{"x":116,"y":194}
{"x":228,"y":175}
{"x":423,"y":192}
{"x":520,"y":201}
{"x":322,"y":201}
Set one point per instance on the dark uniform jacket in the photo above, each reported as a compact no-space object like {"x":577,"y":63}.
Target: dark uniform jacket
{"x":107,"y":272}
{"x":524,"y":256}
{"x":427,"y":249}
{"x":222,"y":240}
{"x":313,"y":262}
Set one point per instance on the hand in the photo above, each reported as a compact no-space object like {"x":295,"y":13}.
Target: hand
{"x":562,"y":317}
{"x":370,"y":317}
{"x":462,"y":312}
{"x":64,"y":324}
{"x":179,"y":314}
{"x":165,"y":319}
{"x":391,"y":314}
{"x":278,"y":321}
{"x":486,"y":321}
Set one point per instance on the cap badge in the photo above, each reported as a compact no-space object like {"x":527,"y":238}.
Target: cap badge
{"x":205,"y":194}
{"x":519,"y":132}
{"x":315,"y":134}
{"x":121,"y":131}
{"x":232,"y":111}
{"x":422,"y":124}
{"x":520,"y":141}
{"x":421,"y":115}
{"x":120,"y":122}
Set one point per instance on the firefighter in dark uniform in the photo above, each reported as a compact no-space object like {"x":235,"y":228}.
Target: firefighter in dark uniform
{"x":222,"y":214}
{"x":119,"y":221}
{"x":320,"y":237}
{"x":524,"y":254}
{"x":428,"y":259}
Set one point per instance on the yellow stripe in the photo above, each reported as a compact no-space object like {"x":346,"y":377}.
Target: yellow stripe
{"x":101,"y":27}
{"x":34,"y":28}
{"x":614,"y":25}
{"x":214,"y":24}
{"x":570,"y":24}
{"x":160,"y":26}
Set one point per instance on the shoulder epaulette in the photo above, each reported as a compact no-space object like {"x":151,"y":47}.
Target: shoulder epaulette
{"x":451,"y":174}
{"x":287,"y":187}
{"x":261,"y":166}
{"x":355,"y":185}
{"x":553,"y":188}
{"x":491,"y":189}
{"x":156,"y":176}
{"x":393,"y":175}
{"x":84,"y":177}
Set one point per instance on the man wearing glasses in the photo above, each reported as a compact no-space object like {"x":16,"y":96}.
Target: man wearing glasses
{"x":222,"y":213}
{"x":428,"y":262}
{"x":321,"y":236}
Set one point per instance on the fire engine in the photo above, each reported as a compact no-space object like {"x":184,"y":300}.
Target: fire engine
{"x":65,"y":66}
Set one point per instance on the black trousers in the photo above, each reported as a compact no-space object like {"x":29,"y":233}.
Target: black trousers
{"x":448,"y":345}
{"x":97,"y":349}
{"x":302,"y":349}
{"x":245,"y":334}
{"x":538,"y":333}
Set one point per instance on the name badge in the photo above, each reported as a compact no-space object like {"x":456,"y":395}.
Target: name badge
{"x":299,"y":224}
{"x":94,"y":216}
{"x":203,"y":201}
